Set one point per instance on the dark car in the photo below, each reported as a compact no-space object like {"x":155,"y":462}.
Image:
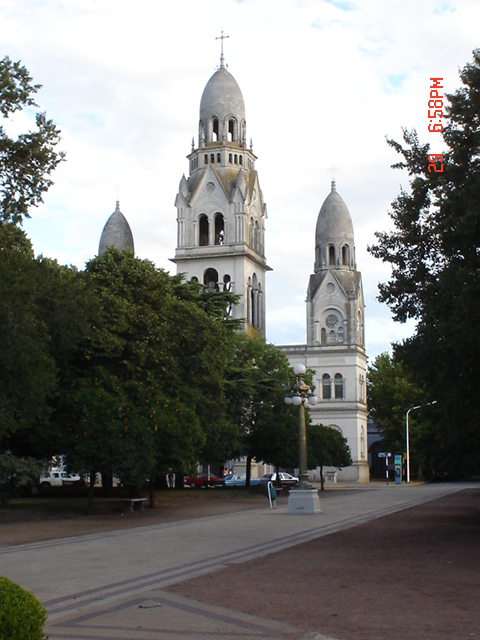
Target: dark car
{"x":286,"y":480}
{"x":202,"y":480}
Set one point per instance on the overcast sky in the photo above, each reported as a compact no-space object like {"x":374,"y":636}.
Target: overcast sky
{"x":324,"y":82}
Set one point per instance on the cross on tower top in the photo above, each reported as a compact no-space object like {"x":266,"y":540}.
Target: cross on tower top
{"x":222,"y":58}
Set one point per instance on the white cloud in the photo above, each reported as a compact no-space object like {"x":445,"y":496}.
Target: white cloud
{"x":324,"y":83}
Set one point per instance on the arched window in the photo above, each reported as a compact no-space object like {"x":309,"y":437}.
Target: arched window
{"x":205,"y":158}
{"x":227,"y":286}
{"x":361,"y":387}
{"x":341,"y":335}
{"x":203,"y":230}
{"x":318,"y":256}
{"x":219,"y":229}
{"x":210,"y":279}
{"x":235,"y":159}
{"x":346,"y":254}
{"x":219,"y":158}
{"x":338,"y":386}
{"x":231,"y":130}
{"x":326,"y":387}
{"x":230,"y":158}
{"x":360,"y":329}
{"x":257,"y":237}
{"x":212,"y":158}
{"x":331,"y":255}
{"x":240,"y":160}
{"x":215,"y":130}
{"x":323,"y":336}
{"x":254,"y":301}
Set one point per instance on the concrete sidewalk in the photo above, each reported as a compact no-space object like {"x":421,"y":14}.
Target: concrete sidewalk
{"x":110,"y":586}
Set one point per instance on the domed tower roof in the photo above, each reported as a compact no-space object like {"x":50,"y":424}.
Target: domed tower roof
{"x":222,"y":109}
{"x":116,"y":233}
{"x":334,"y":240}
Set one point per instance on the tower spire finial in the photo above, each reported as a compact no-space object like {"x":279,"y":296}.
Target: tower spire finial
{"x":222,"y":57}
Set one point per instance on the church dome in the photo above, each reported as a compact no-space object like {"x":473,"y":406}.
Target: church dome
{"x":334,"y":241}
{"x":116,"y":233}
{"x":222,"y":109}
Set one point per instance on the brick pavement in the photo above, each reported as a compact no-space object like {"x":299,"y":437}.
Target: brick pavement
{"x":111,"y":585}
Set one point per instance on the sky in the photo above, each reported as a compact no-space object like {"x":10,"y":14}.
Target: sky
{"x":325,"y":83}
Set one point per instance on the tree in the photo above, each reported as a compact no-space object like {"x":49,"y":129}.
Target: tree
{"x":391,"y":392}
{"x":143,"y":384}
{"x":255,"y":387}
{"x":326,"y":447}
{"x":27,"y":370}
{"x":434,"y":252}
{"x":27,"y":161}
{"x":17,"y":475}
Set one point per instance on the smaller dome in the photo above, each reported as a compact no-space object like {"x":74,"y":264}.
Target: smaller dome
{"x":116,"y":233}
{"x":334,"y":231}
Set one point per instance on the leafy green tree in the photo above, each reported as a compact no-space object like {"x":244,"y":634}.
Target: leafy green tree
{"x":143,"y":389}
{"x":27,"y":161}
{"x":17,"y":475}
{"x":255,"y":386}
{"x":434,"y":253}
{"x":391,"y":392}
{"x":27,"y":370}
{"x":326,"y":447}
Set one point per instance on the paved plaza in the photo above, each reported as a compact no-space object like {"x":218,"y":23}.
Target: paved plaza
{"x":112,"y":586}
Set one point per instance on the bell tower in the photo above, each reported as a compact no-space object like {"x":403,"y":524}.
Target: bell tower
{"x":335,"y":346}
{"x":220,"y":209}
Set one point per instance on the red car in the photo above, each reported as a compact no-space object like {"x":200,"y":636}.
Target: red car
{"x":202,"y":480}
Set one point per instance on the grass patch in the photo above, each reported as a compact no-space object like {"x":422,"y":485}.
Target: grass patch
{"x":56,"y":503}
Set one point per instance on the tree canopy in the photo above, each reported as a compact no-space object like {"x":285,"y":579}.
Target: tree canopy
{"x":434,"y":252}
{"x":27,"y":160}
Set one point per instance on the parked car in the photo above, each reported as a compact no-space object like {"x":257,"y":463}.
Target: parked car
{"x":202,"y":480}
{"x":286,"y":480}
{"x":59,"y":479}
{"x":238,"y":480}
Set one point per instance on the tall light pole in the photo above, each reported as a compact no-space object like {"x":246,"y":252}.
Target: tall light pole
{"x":418,"y":406}
{"x":303,"y":498}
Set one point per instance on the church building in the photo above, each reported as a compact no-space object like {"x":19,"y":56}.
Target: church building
{"x":335,"y":346}
{"x":220,"y":209}
{"x":221,"y":218}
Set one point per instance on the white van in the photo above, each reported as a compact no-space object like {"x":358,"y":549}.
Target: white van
{"x":59,"y":479}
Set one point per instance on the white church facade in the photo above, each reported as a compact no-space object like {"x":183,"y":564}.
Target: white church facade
{"x":221,"y":218}
{"x":335,"y":347}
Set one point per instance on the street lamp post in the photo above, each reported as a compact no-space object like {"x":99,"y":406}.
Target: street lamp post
{"x":303,"y":498}
{"x":418,"y":406}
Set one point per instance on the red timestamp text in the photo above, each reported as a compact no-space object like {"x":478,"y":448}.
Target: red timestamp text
{"x":435,"y":110}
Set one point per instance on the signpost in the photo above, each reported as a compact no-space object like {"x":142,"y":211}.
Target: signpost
{"x":386,"y":455}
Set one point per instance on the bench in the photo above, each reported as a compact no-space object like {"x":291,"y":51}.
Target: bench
{"x":135,"y":503}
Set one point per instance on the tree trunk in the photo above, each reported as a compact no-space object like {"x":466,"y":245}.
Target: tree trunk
{"x":107,"y":484}
{"x":91,"y":490}
{"x":151,"y":492}
{"x":248,"y":471}
{"x":277,"y":482}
